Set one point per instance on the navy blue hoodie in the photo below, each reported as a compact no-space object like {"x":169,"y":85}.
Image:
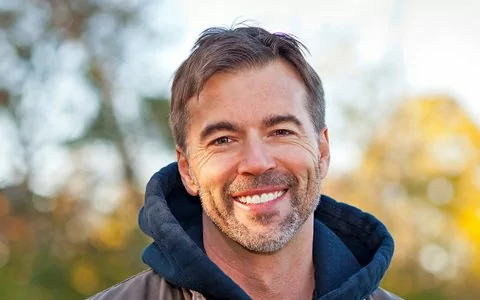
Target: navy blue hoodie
{"x":352,"y":249}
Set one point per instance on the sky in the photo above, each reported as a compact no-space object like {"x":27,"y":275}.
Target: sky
{"x":439,"y":40}
{"x":433,"y":46}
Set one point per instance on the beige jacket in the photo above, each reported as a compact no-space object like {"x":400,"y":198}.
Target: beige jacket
{"x":149,"y":286}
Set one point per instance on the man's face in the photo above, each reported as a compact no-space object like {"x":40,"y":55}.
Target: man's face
{"x":253,"y":155}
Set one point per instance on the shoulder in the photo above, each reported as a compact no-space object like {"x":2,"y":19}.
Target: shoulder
{"x":381,"y":294}
{"x":144,"y":285}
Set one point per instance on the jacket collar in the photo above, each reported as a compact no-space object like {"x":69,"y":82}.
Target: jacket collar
{"x":352,"y":249}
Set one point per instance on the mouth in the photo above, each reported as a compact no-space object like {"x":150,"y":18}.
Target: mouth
{"x":261,"y":198}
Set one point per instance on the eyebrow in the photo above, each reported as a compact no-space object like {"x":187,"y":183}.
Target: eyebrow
{"x":218,"y":126}
{"x":269,"y":121}
{"x":273,"y":120}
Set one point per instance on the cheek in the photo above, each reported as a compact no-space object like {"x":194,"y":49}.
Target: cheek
{"x":298,"y":157}
{"x":215,"y":172}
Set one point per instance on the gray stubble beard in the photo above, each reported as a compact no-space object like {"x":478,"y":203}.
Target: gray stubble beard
{"x":276,"y":239}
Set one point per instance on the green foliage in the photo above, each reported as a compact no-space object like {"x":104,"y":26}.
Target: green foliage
{"x":82,"y":237}
{"x":4,"y":98}
{"x":59,"y":245}
{"x":157,"y":110}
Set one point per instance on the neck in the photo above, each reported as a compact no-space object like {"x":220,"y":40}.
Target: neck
{"x":285,"y":274}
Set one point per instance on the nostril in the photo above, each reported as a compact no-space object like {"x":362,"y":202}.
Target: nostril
{"x":256,"y":164}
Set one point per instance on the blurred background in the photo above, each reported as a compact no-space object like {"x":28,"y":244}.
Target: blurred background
{"x":84,"y":88}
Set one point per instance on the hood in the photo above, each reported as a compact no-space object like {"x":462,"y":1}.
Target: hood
{"x":352,"y":249}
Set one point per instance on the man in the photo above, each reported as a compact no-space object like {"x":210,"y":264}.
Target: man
{"x":240,"y":215}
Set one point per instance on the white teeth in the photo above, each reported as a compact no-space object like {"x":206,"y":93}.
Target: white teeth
{"x":261,"y":198}
{"x":264,"y":198}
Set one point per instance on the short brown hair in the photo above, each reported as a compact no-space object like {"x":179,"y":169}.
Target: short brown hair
{"x":234,"y":49}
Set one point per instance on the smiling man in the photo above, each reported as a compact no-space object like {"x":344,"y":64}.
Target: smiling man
{"x":240,"y":215}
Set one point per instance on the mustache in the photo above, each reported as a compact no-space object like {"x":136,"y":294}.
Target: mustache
{"x":272,"y":178}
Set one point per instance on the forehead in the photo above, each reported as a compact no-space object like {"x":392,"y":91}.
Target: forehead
{"x":250,"y":94}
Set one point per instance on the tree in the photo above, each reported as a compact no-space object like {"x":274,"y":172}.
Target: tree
{"x":76,"y":107}
{"x":420,"y":175}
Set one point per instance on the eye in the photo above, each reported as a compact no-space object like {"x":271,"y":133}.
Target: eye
{"x":282,"y":132}
{"x":222,"y":140}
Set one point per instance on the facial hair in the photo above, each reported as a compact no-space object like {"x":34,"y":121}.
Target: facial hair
{"x":303,"y":200}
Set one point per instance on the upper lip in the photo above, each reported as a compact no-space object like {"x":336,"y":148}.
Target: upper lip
{"x":259,"y":191}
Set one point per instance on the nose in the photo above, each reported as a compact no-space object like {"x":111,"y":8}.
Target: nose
{"x":256,"y":158}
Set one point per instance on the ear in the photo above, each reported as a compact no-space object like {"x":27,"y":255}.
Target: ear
{"x":185,"y":172}
{"x":324,"y":147}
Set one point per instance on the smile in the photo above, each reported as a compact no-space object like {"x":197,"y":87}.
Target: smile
{"x":260,"y":198}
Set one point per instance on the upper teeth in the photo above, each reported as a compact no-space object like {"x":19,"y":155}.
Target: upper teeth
{"x":261,"y":198}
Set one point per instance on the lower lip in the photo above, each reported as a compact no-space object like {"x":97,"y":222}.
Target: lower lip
{"x":261,"y":207}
